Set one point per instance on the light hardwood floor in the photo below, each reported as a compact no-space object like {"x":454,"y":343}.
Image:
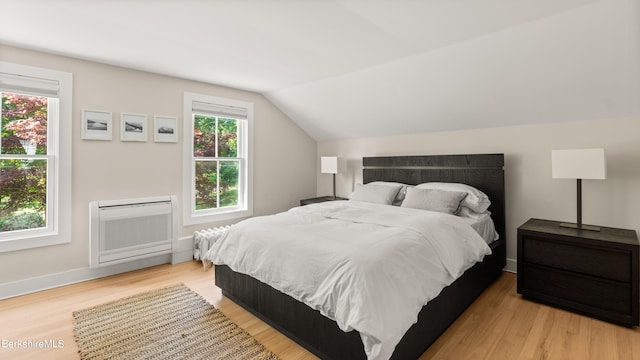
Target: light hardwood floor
{"x":498,"y":325}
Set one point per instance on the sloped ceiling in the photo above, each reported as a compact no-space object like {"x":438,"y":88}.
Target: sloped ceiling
{"x":349,"y":69}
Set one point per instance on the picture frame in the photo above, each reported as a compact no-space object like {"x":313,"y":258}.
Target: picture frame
{"x":133,"y":127}
{"x":97,"y":125}
{"x":165,"y":129}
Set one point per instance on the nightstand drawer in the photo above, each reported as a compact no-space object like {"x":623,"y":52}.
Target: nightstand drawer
{"x":577,"y":290}
{"x":601,"y":262}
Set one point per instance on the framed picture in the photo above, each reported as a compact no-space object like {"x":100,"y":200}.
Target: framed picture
{"x":133,"y":127}
{"x":165,"y":129}
{"x":96,"y":125}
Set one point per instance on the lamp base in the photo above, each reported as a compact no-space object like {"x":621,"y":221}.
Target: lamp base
{"x":581,"y":227}
{"x":334,"y":186}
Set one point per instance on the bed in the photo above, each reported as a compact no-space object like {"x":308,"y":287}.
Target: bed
{"x":321,"y":335}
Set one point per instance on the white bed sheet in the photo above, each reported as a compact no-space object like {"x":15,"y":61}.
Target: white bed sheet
{"x":369,"y":267}
{"x":484,"y":226}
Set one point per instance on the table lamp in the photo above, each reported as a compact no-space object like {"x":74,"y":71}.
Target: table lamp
{"x":579,"y":164}
{"x":329,"y":165}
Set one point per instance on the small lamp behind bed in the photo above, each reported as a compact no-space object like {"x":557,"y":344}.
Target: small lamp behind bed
{"x":329,"y":165}
{"x":579,"y":164}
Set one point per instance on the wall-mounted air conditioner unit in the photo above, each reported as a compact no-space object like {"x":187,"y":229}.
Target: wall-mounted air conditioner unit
{"x":126,"y":230}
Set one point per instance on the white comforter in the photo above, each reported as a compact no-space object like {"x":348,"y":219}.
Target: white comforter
{"x":369,"y":267}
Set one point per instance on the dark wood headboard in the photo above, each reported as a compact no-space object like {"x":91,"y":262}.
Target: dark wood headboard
{"x":485,"y":172}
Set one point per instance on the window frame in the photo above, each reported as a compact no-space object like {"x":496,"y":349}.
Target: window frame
{"x":59,"y":153}
{"x":191,"y":216}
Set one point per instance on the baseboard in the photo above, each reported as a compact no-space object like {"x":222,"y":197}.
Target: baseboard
{"x":183,"y":253}
{"x":184,"y":250}
{"x":512,"y":266}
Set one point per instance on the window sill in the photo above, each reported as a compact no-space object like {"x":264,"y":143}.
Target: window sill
{"x":215,"y":217}
{"x":31,"y":242}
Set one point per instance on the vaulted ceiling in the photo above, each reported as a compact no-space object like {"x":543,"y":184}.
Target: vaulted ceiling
{"x":362,"y":68}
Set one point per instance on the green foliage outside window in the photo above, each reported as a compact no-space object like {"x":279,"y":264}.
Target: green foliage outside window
{"x":23,"y":190}
{"x":217,"y":169}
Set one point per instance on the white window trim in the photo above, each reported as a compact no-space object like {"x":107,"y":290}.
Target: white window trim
{"x":245,"y":209}
{"x":59,"y":170}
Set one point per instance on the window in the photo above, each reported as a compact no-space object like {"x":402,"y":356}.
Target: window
{"x":35,"y":157}
{"x":217,"y":158}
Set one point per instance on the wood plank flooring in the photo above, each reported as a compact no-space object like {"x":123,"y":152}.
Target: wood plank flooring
{"x":498,"y":325}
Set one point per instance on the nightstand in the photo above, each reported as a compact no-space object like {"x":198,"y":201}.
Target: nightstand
{"x":319,"y":200}
{"x":589,"y":272}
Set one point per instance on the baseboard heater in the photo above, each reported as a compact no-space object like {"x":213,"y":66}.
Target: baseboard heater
{"x":132,"y":229}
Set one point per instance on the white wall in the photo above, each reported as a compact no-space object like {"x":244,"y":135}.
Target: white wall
{"x":530,"y":190}
{"x":104,"y":170}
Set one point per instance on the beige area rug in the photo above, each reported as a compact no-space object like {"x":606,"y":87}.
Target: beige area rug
{"x":169,"y":323}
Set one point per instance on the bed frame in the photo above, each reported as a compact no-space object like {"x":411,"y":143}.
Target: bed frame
{"x":319,"y":334}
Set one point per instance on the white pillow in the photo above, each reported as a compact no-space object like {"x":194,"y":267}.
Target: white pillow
{"x":476,"y":200}
{"x":401,"y":192}
{"x":380,"y":194}
{"x":435,"y":200}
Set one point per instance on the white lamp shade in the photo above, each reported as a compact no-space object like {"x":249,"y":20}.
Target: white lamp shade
{"x":578,"y":164}
{"x":329,"y":164}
